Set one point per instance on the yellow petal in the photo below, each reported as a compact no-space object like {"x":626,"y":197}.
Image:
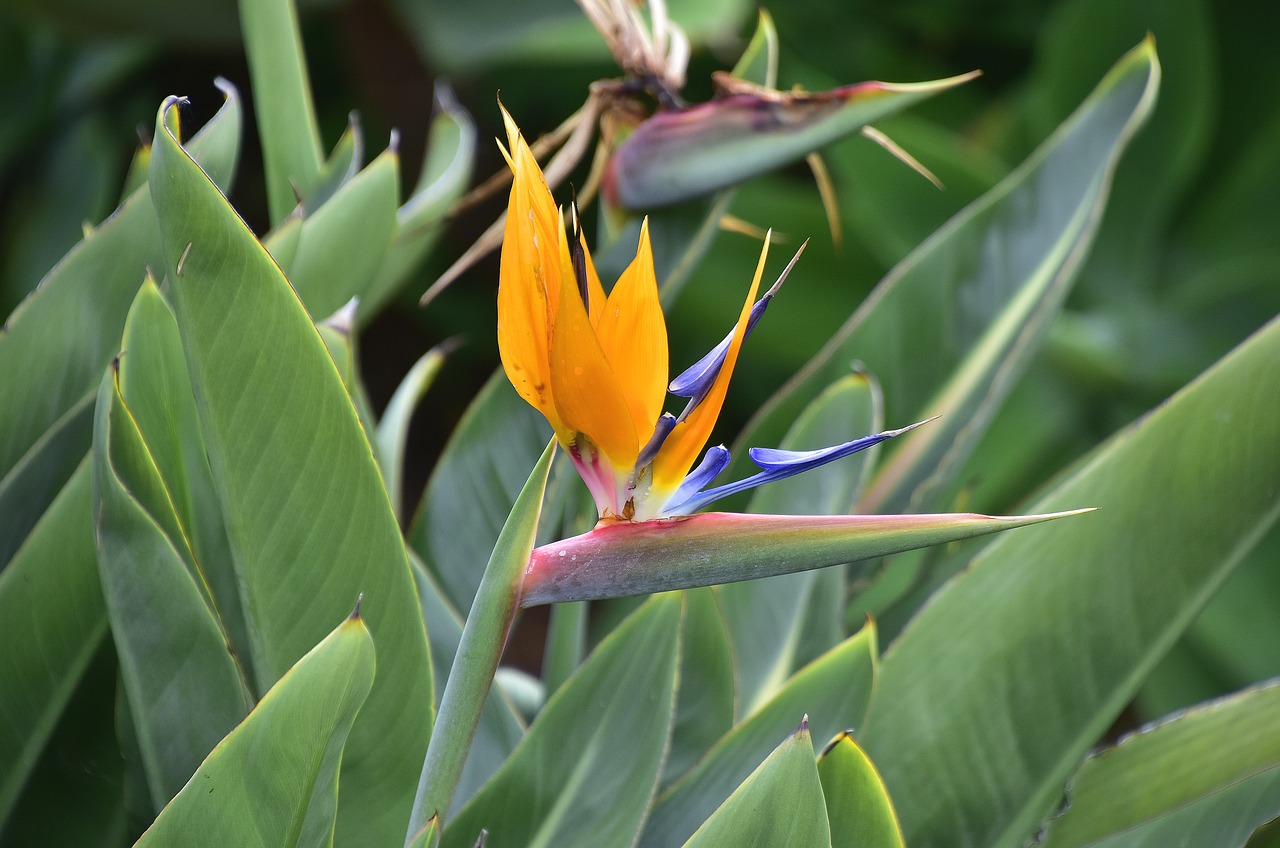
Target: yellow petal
{"x":529,"y":280}
{"x":689,"y":436}
{"x":633,"y":334}
{"x":587,"y":395}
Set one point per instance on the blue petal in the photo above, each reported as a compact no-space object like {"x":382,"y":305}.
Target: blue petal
{"x":778,"y":465}
{"x":713,"y":462}
{"x":695,"y":381}
{"x":665,"y":424}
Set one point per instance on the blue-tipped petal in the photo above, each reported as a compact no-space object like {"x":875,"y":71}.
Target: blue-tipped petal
{"x":713,"y":462}
{"x":695,"y":381}
{"x":665,"y":424}
{"x":778,"y":465}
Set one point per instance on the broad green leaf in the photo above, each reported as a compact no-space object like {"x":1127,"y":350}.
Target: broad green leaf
{"x":286,"y":115}
{"x":833,"y":691}
{"x":566,"y":644}
{"x":780,"y":803}
{"x":33,"y":482}
{"x":185,"y":691}
{"x":710,"y":548}
{"x":1063,"y":628}
{"x":393,"y":428}
{"x":1225,"y":819}
{"x":944,"y":330}
{"x":55,"y":345}
{"x":479,"y":650}
{"x":342,"y":243}
{"x":308,"y":517}
{"x":156,"y":389}
{"x":53,"y":620}
{"x":765,"y":617}
{"x":299,"y":728}
{"x":1190,"y":757}
{"x":501,"y":727}
{"x":706,"y":696}
{"x":72,"y":795}
{"x":474,"y":486}
{"x":969,"y":398}
{"x":858,"y":806}
{"x":563,"y":785}
{"x":1234,"y":643}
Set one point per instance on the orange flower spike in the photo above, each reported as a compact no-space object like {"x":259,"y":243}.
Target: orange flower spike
{"x":588,"y":396}
{"x":595,"y":291}
{"x":529,"y":280}
{"x":683,"y":445}
{"x":633,"y":333}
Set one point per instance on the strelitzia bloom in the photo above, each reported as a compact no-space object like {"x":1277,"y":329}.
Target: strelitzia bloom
{"x":595,"y":365}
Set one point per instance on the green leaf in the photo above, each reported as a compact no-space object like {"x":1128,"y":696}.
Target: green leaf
{"x":1178,"y":762}
{"x":616,"y":710}
{"x":1062,"y":629}
{"x":393,"y":429}
{"x":483,"y":637}
{"x":35,"y":480}
{"x":858,"y":806}
{"x":428,"y":837}
{"x":474,"y":486}
{"x":759,"y":60}
{"x":287,"y":125}
{"x":184,"y":688}
{"x":500,"y":728}
{"x":833,"y":691}
{"x":566,"y":644}
{"x":317,"y":529}
{"x":969,"y":398}
{"x":446,"y":174}
{"x":53,"y":620}
{"x":964,"y":293}
{"x":780,"y":803}
{"x":156,"y":388}
{"x":1080,"y":37}
{"x":72,"y":796}
{"x":56,"y":344}
{"x":299,"y":728}
{"x":344,"y":163}
{"x":1226,"y":819}
{"x":343,"y":242}
{"x":765,"y":617}
{"x":711,"y":548}
{"x":706,"y":697}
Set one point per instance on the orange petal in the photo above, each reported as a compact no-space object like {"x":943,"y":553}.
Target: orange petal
{"x":529,"y":280}
{"x":633,"y":334}
{"x":595,"y":291}
{"x":689,"y":436}
{"x":587,"y":394}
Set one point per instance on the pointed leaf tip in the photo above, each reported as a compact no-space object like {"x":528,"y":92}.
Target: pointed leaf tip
{"x":355,"y":613}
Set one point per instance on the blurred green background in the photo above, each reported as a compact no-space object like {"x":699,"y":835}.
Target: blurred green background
{"x":1186,"y":265}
